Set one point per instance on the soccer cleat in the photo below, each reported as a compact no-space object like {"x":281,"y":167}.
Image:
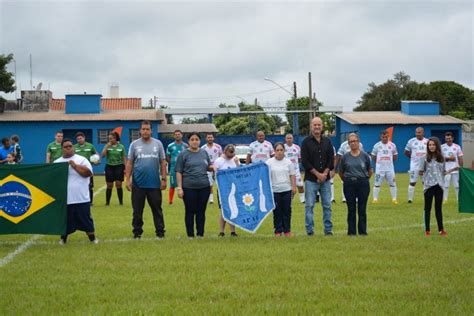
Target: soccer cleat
{"x":375,"y":201}
{"x":443,"y":233}
{"x":427,"y":233}
{"x":394,"y":202}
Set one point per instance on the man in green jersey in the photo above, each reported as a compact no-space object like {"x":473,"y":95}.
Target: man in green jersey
{"x":86,"y":150}
{"x":54,"y":150}
{"x":115,"y":166}
{"x":172,"y":152}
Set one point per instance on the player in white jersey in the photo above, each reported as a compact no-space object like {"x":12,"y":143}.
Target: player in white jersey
{"x":454,"y":160}
{"x":259,"y":150}
{"x":293,"y":153}
{"x":344,"y":148}
{"x":214,"y":151}
{"x":385,"y":153}
{"x":416,"y":151}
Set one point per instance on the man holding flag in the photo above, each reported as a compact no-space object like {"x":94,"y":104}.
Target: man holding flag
{"x":78,"y":199}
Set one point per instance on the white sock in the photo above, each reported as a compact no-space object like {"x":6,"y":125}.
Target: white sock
{"x":302,"y":200}
{"x":211,"y":197}
{"x":411,"y":191}
{"x":393,"y":192}
{"x":376,"y":193}
{"x":445,"y":193}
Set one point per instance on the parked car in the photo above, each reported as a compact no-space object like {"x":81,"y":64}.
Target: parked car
{"x":241,"y":151}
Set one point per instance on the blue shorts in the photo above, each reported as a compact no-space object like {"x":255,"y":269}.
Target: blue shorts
{"x":79,"y":218}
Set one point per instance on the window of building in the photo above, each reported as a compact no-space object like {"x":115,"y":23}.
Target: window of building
{"x":134,"y":134}
{"x":104,"y":135}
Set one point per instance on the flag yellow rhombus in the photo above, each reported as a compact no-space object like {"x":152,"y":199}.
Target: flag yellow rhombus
{"x":39,"y":200}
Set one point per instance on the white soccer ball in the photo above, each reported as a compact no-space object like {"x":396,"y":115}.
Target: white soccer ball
{"x":94,"y":159}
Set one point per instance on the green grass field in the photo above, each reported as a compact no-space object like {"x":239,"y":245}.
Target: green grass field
{"x":395,"y":270}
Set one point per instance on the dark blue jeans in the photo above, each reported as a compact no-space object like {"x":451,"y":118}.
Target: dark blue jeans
{"x":282,"y":212}
{"x":356,"y":191}
{"x":195,"y":203}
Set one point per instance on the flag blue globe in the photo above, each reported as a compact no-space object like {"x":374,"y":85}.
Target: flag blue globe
{"x":15,"y":198}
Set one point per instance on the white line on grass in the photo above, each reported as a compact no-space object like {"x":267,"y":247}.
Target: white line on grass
{"x":27,"y":244}
{"x":4,"y":261}
{"x":129,"y":239}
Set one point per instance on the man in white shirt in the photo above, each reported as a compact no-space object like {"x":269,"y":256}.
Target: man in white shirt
{"x":78,"y":198}
{"x":293,"y":153}
{"x":454,"y":160}
{"x":385,"y":153}
{"x":259,"y":150}
{"x":214,"y":151}
{"x":416,"y":151}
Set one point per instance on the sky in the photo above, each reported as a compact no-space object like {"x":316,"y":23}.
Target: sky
{"x":202,"y":53}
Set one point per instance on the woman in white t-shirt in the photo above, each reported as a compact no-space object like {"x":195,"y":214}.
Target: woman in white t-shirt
{"x":228,"y":160}
{"x":282,"y":173}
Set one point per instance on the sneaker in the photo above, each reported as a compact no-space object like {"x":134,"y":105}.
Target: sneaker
{"x":221,"y":235}
{"x":288,"y":234}
{"x":328,"y":234}
{"x":95,"y":241}
{"x":277,"y":234}
{"x":443,"y":233}
{"x":394,"y":202}
{"x":160,"y":236}
{"x":233,"y":234}
{"x":375,"y":201}
{"x":427,"y":233}
{"x":61,"y":242}
{"x":310,"y":233}
{"x":136,"y":236}
{"x":410,"y":201}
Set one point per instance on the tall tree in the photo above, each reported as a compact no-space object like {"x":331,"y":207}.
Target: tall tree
{"x":303,"y":118}
{"x":454,"y":98}
{"x":7,"y":81}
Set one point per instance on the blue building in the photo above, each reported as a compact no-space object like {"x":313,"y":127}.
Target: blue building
{"x":38,"y":119}
{"x":368,"y":126}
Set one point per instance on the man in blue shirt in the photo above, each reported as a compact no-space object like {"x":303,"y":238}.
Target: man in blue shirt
{"x":146,"y":161}
{"x":5,"y":150}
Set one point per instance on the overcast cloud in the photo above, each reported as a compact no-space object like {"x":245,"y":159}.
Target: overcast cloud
{"x":217,"y":51}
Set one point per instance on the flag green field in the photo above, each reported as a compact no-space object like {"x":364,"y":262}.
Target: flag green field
{"x":394,"y":270}
{"x":466,"y":190}
{"x":33,"y":199}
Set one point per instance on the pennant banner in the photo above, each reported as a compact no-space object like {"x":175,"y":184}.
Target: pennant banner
{"x":466,"y":190}
{"x":33,"y":199}
{"x":245,"y":195}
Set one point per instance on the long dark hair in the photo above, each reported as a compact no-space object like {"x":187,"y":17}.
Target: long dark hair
{"x":437,"y":154}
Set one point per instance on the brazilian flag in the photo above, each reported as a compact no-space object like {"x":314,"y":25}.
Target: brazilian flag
{"x":33,"y":199}
{"x":466,"y":190}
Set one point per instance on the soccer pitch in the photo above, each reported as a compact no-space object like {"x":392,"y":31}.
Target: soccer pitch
{"x":396,"y":269}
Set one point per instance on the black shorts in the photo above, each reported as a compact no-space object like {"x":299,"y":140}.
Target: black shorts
{"x":79,"y":218}
{"x":114,"y":173}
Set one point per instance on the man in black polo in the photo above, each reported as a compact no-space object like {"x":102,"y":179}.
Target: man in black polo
{"x":317,"y":155}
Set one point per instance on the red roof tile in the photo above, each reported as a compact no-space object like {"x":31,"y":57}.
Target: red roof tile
{"x":107,"y":104}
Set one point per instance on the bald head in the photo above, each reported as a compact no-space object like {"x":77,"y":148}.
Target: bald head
{"x":316,"y":126}
{"x":420,"y":133}
{"x":260,"y":136}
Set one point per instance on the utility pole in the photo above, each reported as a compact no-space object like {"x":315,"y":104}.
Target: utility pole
{"x":310,"y":98}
